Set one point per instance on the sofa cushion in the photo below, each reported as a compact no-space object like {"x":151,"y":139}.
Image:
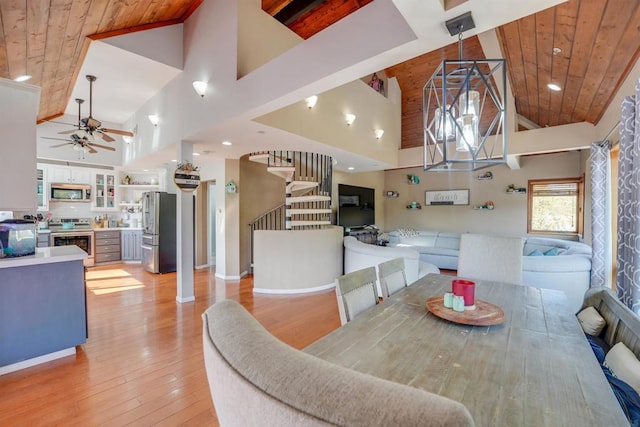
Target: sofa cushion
{"x":624,"y":365}
{"x":557,"y":264}
{"x":448,"y":241}
{"x":591,"y":321}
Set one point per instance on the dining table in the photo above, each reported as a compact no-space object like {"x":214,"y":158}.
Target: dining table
{"x":533,"y":368}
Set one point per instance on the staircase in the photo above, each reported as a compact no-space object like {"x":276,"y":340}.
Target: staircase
{"x":307,"y":178}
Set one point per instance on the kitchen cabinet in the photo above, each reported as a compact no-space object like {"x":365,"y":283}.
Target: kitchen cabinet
{"x":69,"y":174}
{"x":131,"y":241}
{"x":104,"y":191}
{"x":107,"y":246}
{"x":41,"y":189}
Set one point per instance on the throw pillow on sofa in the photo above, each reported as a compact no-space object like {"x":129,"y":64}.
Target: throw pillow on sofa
{"x":537,"y":252}
{"x":624,"y":365}
{"x":591,"y":321}
{"x":551,"y":252}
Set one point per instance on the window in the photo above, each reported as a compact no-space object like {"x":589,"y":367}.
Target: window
{"x":555,"y":206}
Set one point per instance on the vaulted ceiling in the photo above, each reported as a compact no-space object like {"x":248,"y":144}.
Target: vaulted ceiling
{"x":49,"y":39}
{"x":596,"y":43}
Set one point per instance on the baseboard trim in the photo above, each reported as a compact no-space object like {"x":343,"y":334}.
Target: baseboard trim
{"x":183,"y":300}
{"x":37,"y":360}
{"x":293,"y":291}
{"x":223,"y":277}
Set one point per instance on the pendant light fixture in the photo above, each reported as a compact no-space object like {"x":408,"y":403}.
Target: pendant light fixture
{"x":464,"y":110}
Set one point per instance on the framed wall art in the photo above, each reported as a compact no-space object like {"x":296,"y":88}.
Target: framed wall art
{"x":446,"y":197}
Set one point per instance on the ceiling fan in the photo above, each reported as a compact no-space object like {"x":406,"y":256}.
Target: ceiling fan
{"x":80,"y":139}
{"x":90,"y":128}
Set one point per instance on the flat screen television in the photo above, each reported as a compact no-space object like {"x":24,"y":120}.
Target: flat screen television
{"x":355,"y":206}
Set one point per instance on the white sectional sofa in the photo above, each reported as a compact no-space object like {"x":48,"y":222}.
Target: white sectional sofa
{"x":568,"y":270}
{"x":358,"y":255}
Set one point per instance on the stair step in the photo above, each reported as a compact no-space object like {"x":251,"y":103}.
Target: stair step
{"x":300,"y":185}
{"x":302,"y":199}
{"x":260,"y":158}
{"x":285,"y":172}
{"x":290,"y":212}
{"x":306,"y":223}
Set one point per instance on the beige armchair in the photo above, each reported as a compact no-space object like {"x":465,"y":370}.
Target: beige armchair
{"x":257,"y":380}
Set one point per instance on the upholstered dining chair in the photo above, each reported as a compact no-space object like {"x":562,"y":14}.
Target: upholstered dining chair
{"x":355,"y":292}
{"x":493,"y":258}
{"x":257,"y":380}
{"x":392,"y":276}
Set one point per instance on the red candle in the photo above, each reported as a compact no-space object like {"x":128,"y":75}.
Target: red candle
{"x":466,"y":288}
{"x":469,"y":293}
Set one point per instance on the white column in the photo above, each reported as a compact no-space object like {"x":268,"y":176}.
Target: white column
{"x":184,"y":233}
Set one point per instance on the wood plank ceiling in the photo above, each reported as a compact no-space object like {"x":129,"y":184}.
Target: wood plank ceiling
{"x":599,"y":42}
{"x":49,"y":39}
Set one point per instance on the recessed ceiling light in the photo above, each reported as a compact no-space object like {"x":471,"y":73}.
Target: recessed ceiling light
{"x":196,"y":154}
{"x":22,"y":78}
{"x":145,"y":170}
{"x":174,"y":160}
{"x":226,"y":143}
{"x":555,"y":87}
{"x":351,"y":168}
{"x":556,"y":50}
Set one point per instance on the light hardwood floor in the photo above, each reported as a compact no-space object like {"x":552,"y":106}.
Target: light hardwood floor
{"x":142,"y":364}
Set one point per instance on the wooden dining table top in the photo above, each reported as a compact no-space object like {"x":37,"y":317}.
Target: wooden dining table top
{"x":534,"y":369}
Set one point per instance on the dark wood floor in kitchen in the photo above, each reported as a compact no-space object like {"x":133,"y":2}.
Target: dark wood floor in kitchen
{"x":142,"y":364}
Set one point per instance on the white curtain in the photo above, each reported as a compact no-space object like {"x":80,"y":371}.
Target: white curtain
{"x":628,"y":260}
{"x":600,"y":163}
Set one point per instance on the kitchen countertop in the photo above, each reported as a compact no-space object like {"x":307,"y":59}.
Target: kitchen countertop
{"x":117,"y":228}
{"x":46,"y":256}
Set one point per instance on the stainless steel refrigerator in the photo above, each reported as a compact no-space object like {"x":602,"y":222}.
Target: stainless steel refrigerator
{"x":159,"y":232}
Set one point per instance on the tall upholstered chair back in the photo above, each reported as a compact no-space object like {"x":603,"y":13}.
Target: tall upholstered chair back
{"x":355,"y":292}
{"x":493,"y":258}
{"x":392,"y":276}
{"x":257,"y":380}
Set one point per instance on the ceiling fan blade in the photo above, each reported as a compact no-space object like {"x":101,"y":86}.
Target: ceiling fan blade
{"x":55,"y":139}
{"x":60,"y":145}
{"x":91,"y":149}
{"x":67,"y":132}
{"x":106,"y":147}
{"x":117,"y":132}
{"x":105,"y":137}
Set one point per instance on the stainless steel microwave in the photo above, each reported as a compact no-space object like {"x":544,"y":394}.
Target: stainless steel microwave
{"x":61,"y":192}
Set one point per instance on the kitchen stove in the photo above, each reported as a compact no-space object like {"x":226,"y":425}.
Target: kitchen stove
{"x":70,"y":224}
{"x":74,"y":231}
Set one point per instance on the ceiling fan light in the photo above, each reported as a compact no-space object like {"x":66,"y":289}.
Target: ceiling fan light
{"x":554,"y":87}
{"x":200,"y":87}
{"x":22,"y":78}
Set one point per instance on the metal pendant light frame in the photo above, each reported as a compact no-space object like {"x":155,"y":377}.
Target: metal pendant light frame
{"x":452,"y":80}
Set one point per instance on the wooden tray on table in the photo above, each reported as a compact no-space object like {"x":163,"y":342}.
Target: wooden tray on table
{"x":485,"y":314}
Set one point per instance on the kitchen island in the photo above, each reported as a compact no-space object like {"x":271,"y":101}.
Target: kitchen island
{"x":42,"y":306}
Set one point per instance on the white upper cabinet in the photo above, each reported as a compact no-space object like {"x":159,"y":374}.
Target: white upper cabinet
{"x":69,"y":175}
